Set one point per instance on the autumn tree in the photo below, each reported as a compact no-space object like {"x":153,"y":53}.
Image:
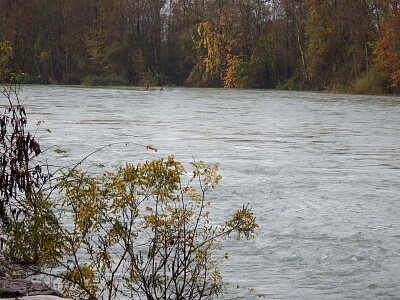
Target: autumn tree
{"x":337,"y":41}
{"x":294,"y":13}
{"x":181,"y":25}
{"x":224,"y":45}
{"x":388,"y":42}
{"x":275,"y":57}
{"x":15,"y":33}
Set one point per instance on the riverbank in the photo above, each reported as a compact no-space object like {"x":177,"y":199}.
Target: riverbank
{"x":11,"y":288}
{"x":359,"y":87}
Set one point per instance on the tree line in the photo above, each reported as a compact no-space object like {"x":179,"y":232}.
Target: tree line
{"x":289,"y":44}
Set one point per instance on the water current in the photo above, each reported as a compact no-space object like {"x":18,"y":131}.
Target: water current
{"x":321,"y":171}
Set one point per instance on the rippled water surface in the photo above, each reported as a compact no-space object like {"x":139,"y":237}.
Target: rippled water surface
{"x":321,"y":171}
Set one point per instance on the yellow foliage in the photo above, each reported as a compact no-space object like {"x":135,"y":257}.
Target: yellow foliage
{"x":154,"y":214}
{"x":231,"y":75}
{"x":6,"y":55}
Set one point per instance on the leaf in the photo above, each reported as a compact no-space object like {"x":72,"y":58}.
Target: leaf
{"x":59,"y":151}
{"x":262,"y":295}
{"x":151,"y":148}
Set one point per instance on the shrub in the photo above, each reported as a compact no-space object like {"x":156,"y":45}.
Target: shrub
{"x":371,"y":83}
{"x":26,"y":215}
{"x":159,"y":226}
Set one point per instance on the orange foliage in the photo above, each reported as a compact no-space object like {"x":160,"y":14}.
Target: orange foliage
{"x":388,"y":43}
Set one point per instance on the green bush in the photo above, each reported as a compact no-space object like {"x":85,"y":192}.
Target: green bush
{"x":373,"y":82}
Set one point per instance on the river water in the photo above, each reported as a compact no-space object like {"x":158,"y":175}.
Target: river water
{"x":321,"y":171}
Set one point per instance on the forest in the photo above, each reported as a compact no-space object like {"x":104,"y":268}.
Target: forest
{"x":333,"y":45}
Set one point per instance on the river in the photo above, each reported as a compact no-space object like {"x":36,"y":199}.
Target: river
{"x":321,"y":171}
